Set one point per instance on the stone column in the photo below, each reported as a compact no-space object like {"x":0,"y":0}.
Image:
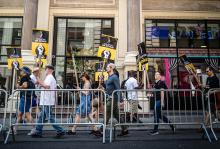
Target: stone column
{"x":133,"y":11}
{"x":43,"y":14}
{"x":133,"y":32}
{"x":29,"y":22}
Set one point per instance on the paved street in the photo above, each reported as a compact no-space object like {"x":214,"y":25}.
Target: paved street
{"x":183,"y":139}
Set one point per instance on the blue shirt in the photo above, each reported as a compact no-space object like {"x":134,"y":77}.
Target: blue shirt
{"x":112,"y":84}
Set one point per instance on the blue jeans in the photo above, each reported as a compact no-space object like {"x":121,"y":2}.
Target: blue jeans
{"x":46,"y":112}
{"x":158,"y":115}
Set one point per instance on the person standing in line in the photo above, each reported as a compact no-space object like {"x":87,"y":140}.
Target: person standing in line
{"x":132,"y":96}
{"x":113,"y":84}
{"x":211,"y":82}
{"x":159,"y":104}
{"x":85,"y":107}
{"x":47,"y":102}
{"x":25,"y":96}
{"x":35,"y":98}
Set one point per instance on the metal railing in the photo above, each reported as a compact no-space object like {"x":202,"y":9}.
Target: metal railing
{"x":142,"y":107}
{"x":80,"y":103}
{"x":4,"y":97}
{"x":213,"y":109}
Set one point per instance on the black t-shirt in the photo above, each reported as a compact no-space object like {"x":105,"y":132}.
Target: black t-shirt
{"x":23,"y":80}
{"x":213,"y":82}
{"x":159,"y":85}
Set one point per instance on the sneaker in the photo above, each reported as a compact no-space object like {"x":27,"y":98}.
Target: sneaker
{"x":70,"y":132}
{"x":36,"y":135}
{"x":154,"y":132}
{"x":92,"y":132}
{"x":140,"y":121}
{"x":173,"y":128}
{"x":97,"y":133}
{"x":32,"y":132}
{"x":59,"y":135}
{"x":123,"y":133}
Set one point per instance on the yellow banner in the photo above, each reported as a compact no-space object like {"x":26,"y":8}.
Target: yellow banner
{"x":41,"y":62}
{"x":98,"y":74}
{"x":40,"y":49}
{"x":15,"y":63}
{"x":106,"y":53}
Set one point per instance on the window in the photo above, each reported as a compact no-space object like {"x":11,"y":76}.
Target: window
{"x":10,"y":34}
{"x":79,"y":38}
{"x":191,"y":34}
{"x":10,"y":31}
{"x":160,"y":33}
{"x":214,"y":34}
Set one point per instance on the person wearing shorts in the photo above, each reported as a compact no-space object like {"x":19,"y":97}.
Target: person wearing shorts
{"x":85,"y":106}
{"x":25,"y":98}
{"x":132,"y":84}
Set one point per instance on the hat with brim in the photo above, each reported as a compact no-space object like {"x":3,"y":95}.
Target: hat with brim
{"x":26,"y":70}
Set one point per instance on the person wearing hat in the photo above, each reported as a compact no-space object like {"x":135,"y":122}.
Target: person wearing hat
{"x":25,"y":99}
{"x":47,"y":102}
{"x":35,"y":74}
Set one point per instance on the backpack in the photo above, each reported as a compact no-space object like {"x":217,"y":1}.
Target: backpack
{"x":123,"y":84}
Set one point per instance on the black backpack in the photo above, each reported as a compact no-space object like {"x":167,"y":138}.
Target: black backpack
{"x":123,"y":84}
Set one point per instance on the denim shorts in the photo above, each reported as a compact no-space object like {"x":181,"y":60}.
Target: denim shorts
{"x":24,"y":106}
{"x":84,"y":108}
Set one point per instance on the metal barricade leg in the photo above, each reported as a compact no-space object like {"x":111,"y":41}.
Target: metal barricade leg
{"x":206,"y":133}
{"x":6,"y":139}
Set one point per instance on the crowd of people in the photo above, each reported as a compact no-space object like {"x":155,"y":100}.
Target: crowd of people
{"x":31,"y":80}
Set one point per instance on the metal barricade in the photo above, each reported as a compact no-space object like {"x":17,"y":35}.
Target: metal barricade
{"x":3,"y":98}
{"x":183,"y":107}
{"x":58,"y":107}
{"x":213,"y":109}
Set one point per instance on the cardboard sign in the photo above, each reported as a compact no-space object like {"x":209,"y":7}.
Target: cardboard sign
{"x":98,"y":75}
{"x":40,"y":47}
{"x":99,"y":66}
{"x":189,"y":67}
{"x":98,"y":71}
{"x":107,"y":48}
{"x":41,"y":62}
{"x":142,"y":57}
{"x":14,"y":58}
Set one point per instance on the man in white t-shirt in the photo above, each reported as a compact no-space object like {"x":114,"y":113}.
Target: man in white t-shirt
{"x":132,"y":84}
{"x":47,"y":101}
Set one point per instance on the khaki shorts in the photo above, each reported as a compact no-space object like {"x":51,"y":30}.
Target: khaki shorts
{"x":133,"y":106}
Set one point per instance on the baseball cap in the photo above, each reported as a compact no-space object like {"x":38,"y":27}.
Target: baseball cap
{"x":49,"y":67}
